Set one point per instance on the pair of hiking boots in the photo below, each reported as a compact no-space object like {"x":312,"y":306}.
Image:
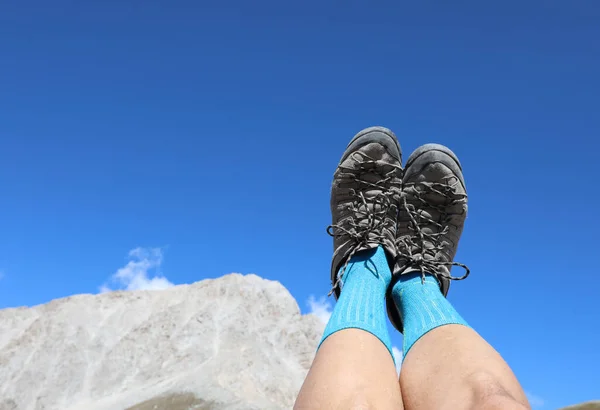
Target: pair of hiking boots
{"x":415,"y":213}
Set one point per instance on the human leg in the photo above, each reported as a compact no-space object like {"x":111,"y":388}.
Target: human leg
{"x":353,"y":368}
{"x":459,"y":369}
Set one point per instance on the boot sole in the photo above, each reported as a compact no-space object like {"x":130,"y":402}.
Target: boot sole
{"x":429,"y":153}
{"x":381,"y":135}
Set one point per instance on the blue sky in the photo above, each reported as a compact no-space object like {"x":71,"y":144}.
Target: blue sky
{"x":194,"y":139}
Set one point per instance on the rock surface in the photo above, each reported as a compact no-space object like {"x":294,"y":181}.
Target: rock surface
{"x":591,"y":405}
{"x":237,"y":342}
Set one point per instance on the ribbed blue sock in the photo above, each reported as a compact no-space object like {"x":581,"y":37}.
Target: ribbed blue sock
{"x":361,"y":304}
{"x":422,"y":307}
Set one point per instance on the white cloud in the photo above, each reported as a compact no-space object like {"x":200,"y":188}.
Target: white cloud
{"x":535,"y":401}
{"x":104,"y":288}
{"x":320,"y":308}
{"x":142,"y":272}
{"x":397,"y":358}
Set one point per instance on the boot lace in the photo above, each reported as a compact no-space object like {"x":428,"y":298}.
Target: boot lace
{"x":412,"y":248}
{"x":368,"y":213}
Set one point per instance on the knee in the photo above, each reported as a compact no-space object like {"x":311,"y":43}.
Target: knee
{"x":489,"y":394}
{"x":357,"y":401}
{"x":500,"y":402}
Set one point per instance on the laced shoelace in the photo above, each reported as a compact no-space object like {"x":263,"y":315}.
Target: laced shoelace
{"x":365,"y":223}
{"x":411,"y":248}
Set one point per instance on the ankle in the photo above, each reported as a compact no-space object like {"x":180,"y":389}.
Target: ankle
{"x":422,"y":307}
{"x":372,"y":262}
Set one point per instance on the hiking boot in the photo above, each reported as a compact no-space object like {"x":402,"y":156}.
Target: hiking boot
{"x":364,"y":199}
{"x":433,"y":208}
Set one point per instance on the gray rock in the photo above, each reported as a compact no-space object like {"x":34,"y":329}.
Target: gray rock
{"x":237,"y":342}
{"x":590,"y":405}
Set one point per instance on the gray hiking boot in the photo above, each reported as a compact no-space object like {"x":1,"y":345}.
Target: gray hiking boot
{"x":364,"y":198}
{"x":432,"y":213}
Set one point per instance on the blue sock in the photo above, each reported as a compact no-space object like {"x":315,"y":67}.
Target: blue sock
{"x":422,"y":307}
{"x":361,"y":304}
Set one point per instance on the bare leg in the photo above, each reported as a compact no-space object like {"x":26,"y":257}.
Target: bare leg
{"x":461,"y":371}
{"x":352,"y":370}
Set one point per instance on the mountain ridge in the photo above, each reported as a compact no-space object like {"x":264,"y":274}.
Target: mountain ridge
{"x":236,"y":342}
